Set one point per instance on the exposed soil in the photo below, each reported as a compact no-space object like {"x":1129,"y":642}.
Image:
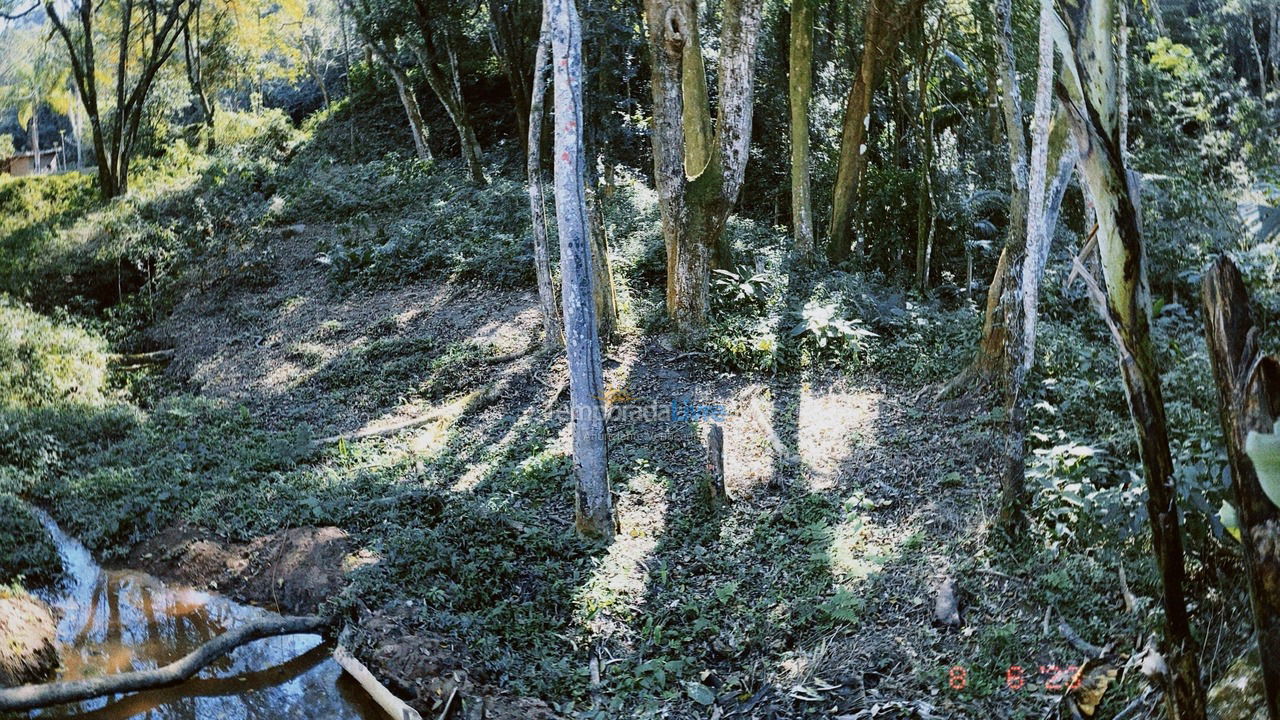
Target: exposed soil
{"x":292,"y":571}
{"x":431,"y":671}
{"x":28,"y":632}
{"x":264,"y":343}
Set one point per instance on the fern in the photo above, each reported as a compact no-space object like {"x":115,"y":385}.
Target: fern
{"x":844,"y":607}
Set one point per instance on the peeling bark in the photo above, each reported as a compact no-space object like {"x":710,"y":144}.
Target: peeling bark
{"x":1088,"y":88}
{"x":1249,"y":400}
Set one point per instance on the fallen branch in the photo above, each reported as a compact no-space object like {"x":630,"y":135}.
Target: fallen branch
{"x":133,"y":361}
{"x":28,"y":697}
{"x":1079,"y":643}
{"x":394,"y":706}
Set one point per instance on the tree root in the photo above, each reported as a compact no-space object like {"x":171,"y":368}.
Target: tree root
{"x":27,"y":697}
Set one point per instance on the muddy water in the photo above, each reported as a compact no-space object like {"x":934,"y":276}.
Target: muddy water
{"x":116,"y":621}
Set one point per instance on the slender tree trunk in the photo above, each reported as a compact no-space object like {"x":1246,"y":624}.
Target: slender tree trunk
{"x":35,"y":136}
{"x":541,"y":260}
{"x":409,"y":100}
{"x":601,"y":268}
{"x":1088,"y":90}
{"x":924,"y":127}
{"x":594,"y":505}
{"x":1014,"y":496}
{"x":448,"y":90}
{"x":885,"y":21}
{"x":800,"y":84}
{"x":1001,"y":323}
{"x":509,"y":45}
{"x":1249,"y":401}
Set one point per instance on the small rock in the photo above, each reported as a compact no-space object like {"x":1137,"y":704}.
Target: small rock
{"x":946,"y":609}
{"x":28,"y":654}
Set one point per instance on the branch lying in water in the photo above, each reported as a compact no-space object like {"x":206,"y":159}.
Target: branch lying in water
{"x":28,"y":697}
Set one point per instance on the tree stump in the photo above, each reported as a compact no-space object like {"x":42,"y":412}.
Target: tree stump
{"x":715,"y":464}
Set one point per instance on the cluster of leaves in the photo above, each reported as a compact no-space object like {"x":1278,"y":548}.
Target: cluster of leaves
{"x":44,"y":361}
{"x":27,"y":554}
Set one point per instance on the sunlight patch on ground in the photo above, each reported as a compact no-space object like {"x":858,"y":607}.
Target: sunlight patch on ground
{"x":611,"y":597}
{"x":830,"y":426}
{"x":484,"y":468}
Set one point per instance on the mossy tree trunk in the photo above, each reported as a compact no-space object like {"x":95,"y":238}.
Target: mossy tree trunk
{"x":800,"y":90}
{"x":885,"y":22}
{"x":1249,"y":400}
{"x":698,"y":173}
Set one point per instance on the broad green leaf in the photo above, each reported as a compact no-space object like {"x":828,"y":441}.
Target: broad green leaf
{"x":700,"y":693}
{"x":1264,"y":451}
{"x":1230,"y":519}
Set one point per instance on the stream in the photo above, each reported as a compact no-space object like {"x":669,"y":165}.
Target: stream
{"x":113,"y":621}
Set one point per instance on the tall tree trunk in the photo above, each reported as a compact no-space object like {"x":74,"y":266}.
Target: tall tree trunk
{"x":510,"y":43}
{"x":800,"y":85}
{"x":885,"y":21}
{"x":448,"y":89}
{"x":1088,"y":90}
{"x":594,"y":505}
{"x":1022,"y":346}
{"x":602,"y":285}
{"x":541,"y":261}
{"x":601,"y":265}
{"x":1249,"y":401}
{"x":1001,"y":319}
{"x":408,"y":100}
{"x":695,"y":208}
{"x":924,"y":129}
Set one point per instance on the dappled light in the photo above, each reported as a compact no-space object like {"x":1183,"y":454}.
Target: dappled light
{"x":556,"y":360}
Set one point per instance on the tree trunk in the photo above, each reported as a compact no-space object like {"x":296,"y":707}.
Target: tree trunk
{"x":552,"y":333}
{"x":509,"y":42}
{"x":694,"y":208}
{"x":601,"y":268}
{"x":1088,"y":90}
{"x":594,"y":501}
{"x":1021,"y":356}
{"x":800,"y":85}
{"x":448,"y":89}
{"x":1249,"y":401}
{"x":1001,"y":320}
{"x":35,"y":135}
{"x":409,"y":100}
{"x":886,"y":19}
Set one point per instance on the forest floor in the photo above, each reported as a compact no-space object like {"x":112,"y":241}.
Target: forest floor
{"x":811,"y":591}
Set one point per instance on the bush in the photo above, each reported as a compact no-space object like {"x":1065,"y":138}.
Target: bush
{"x":27,"y":554}
{"x":398,"y":220}
{"x":43,"y":362}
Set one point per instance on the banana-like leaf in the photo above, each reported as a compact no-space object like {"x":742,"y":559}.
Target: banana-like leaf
{"x":1264,"y":451}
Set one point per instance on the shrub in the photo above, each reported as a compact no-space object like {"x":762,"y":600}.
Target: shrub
{"x":27,"y":554}
{"x":43,"y":362}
